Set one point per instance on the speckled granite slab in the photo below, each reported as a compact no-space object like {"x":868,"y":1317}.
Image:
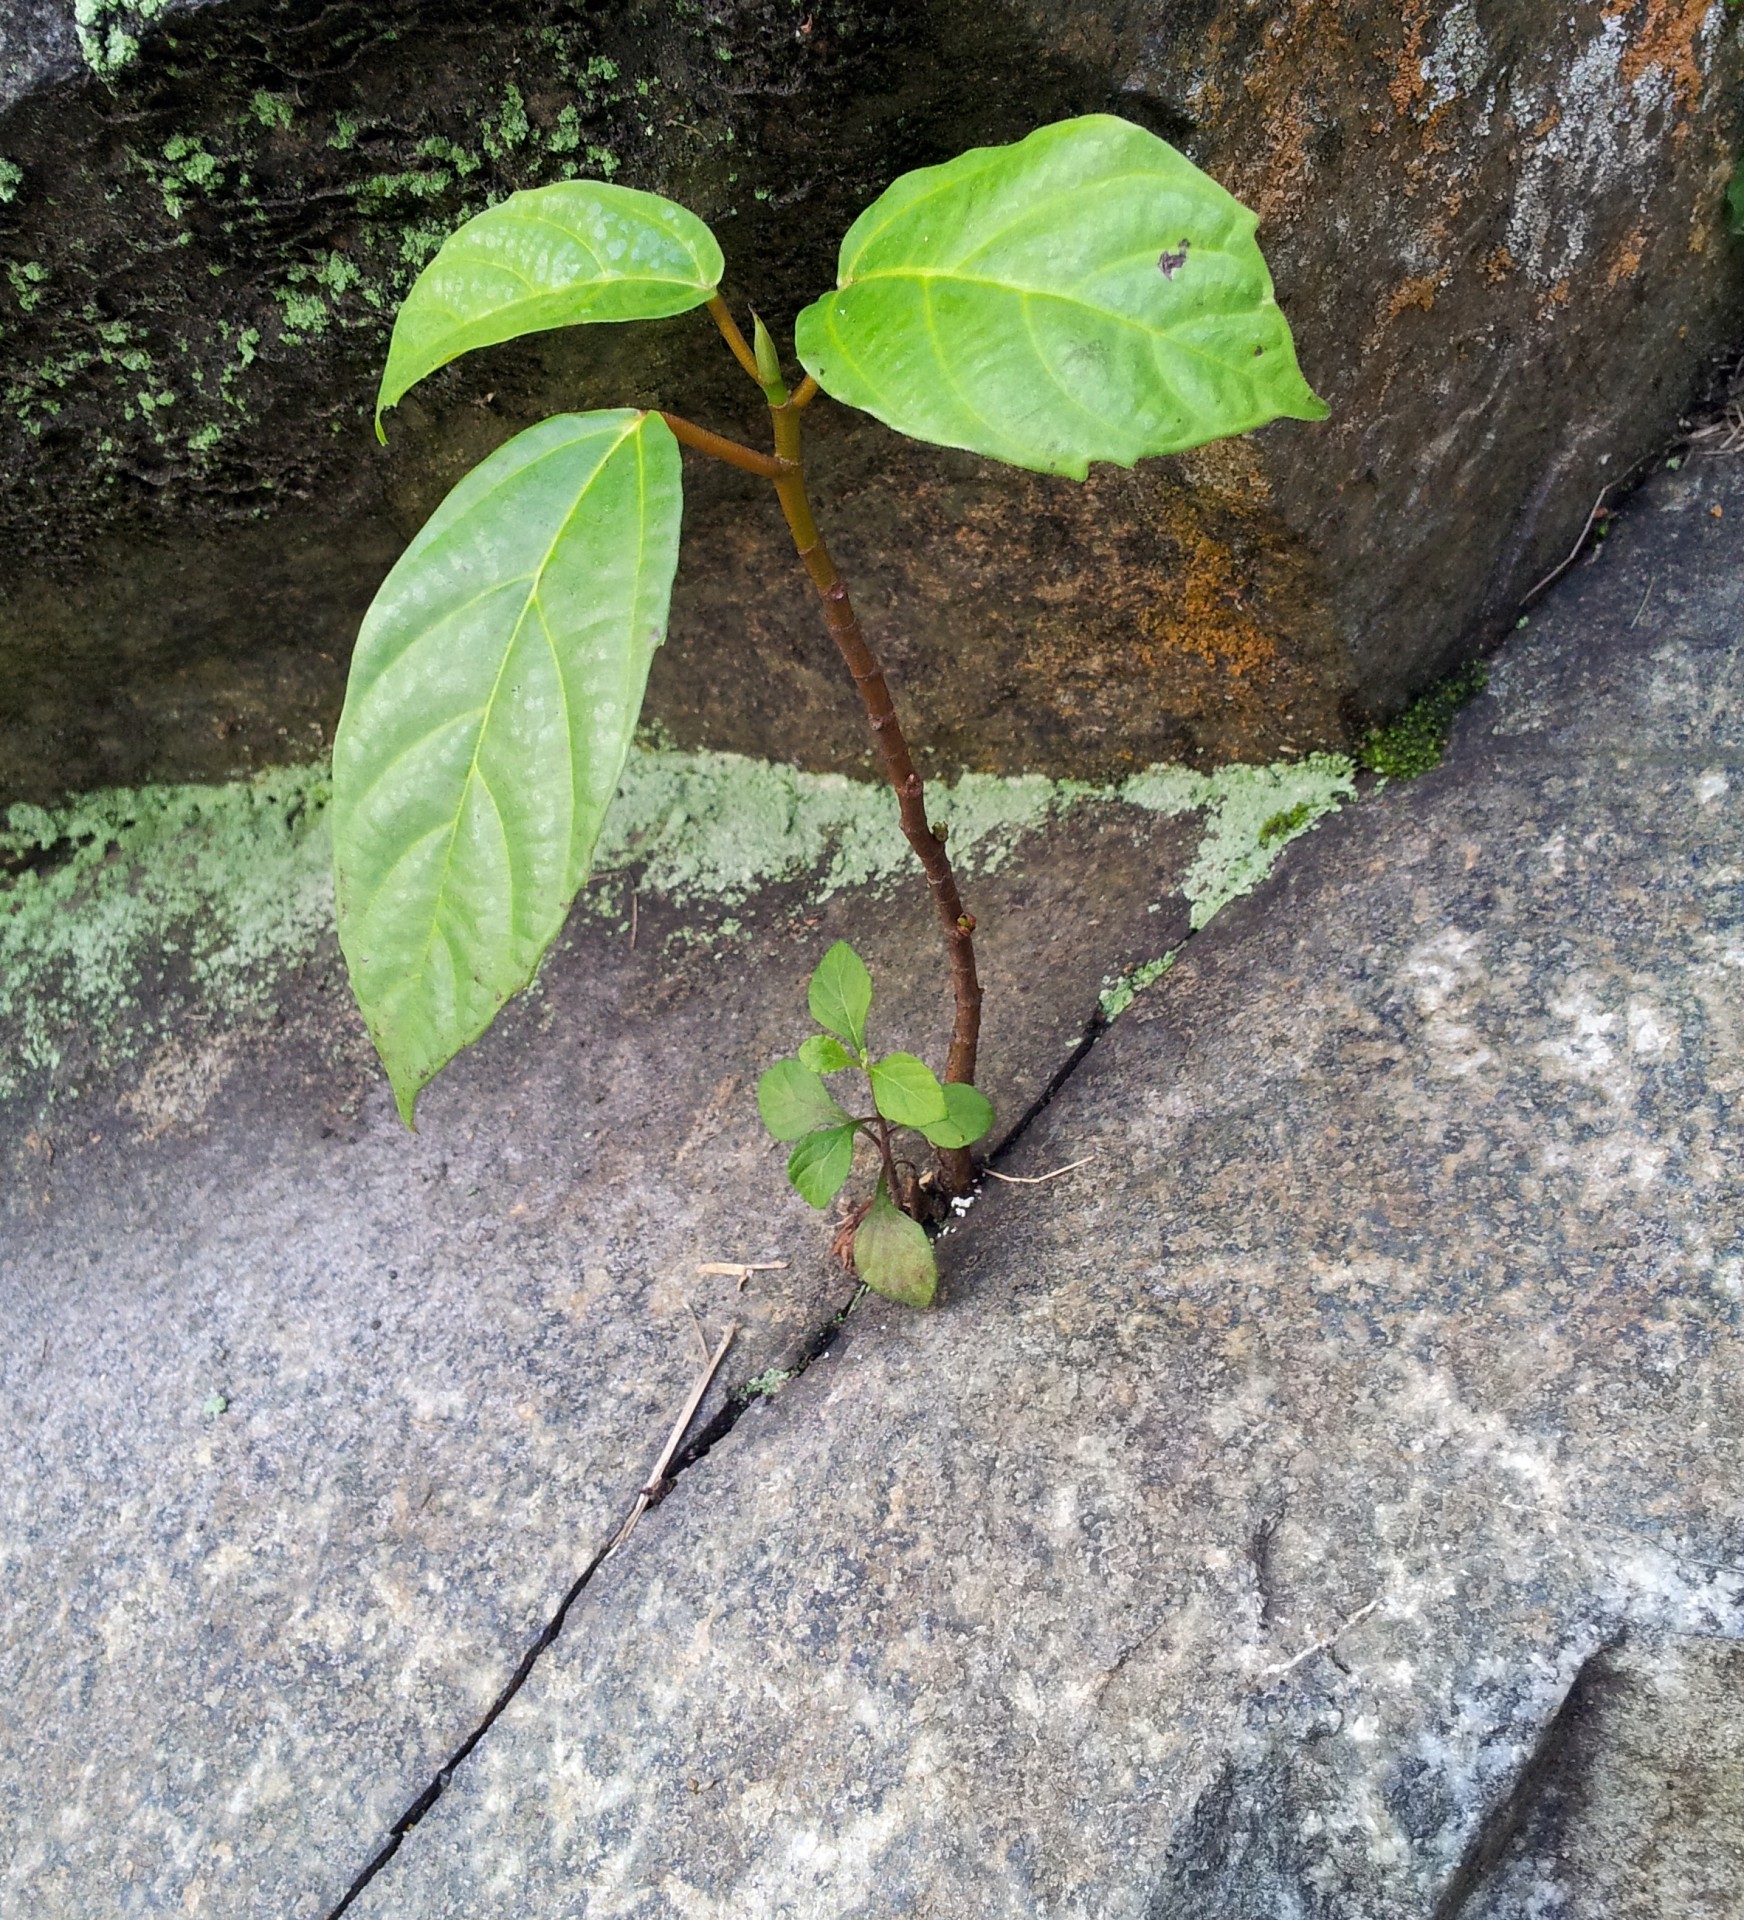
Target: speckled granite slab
{"x":1262,"y":1523}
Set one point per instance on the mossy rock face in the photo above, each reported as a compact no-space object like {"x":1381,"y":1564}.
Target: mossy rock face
{"x":1499,"y":234}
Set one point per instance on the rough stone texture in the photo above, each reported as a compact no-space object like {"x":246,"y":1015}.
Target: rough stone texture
{"x":1496,"y":228}
{"x":234,"y":1645}
{"x":1641,"y":1809}
{"x":1288,"y":1506}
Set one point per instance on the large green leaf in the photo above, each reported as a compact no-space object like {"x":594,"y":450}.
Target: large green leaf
{"x":493,"y":695}
{"x":549,"y":257}
{"x":1087,"y":294}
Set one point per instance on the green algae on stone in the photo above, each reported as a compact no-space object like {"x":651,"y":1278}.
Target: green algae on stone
{"x":1115,"y":998}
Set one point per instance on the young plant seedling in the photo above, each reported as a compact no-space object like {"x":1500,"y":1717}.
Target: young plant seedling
{"x":892,"y":1253}
{"x":1084,"y":294}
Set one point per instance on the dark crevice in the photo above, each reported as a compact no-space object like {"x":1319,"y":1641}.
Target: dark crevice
{"x":713,"y":1432}
{"x":1484,"y":1852}
{"x":439,"y":1781}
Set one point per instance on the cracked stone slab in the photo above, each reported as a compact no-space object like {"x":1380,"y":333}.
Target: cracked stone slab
{"x":308,"y":1424}
{"x":1245,"y":1535}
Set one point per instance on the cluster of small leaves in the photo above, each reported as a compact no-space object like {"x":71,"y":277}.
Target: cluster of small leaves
{"x":1414,"y":743}
{"x":892,"y":1253}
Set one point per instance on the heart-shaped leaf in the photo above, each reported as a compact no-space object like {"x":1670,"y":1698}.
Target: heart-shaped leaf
{"x":794,"y":1101}
{"x":493,"y":695}
{"x":905,"y":1091}
{"x":820,"y":1163}
{"x":1087,"y":294}
{"x":893,"y":1255}
{"x":549,"y":257}
{"x":840,"y":996}
{"x":968,"y":1115}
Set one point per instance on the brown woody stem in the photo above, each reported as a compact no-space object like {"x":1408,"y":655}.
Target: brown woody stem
{"x":787,"y":470}
{"x":957,"y":925}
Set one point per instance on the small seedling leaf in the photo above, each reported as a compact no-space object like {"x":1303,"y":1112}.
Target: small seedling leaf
{"x":820,"y":1163}
{"x":906,"y":1093}
{"x":794,"y":1101}
{"x":1086,"y":294}
{"x":824,"y":1054}
{"x":493,"y":696}
{"x":893,"y":1255}
{"x":841,"y":995}
{"x":968,"y":1115}
{"x":554,"y":256}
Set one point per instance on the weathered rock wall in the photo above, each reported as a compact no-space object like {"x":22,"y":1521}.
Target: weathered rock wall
{"x":1497,"y":229}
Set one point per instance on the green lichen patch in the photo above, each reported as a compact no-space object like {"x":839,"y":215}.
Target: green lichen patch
{"x":718,"y":827}
{"x":221,"y":885}
{"x":1414,"y":743}
{"x":116,"y":910}
{"x":1119,"y":994}
{"x":1252,"y":814}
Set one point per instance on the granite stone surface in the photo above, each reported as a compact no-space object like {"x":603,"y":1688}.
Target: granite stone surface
{"x":307,"y":1424}
{"x":1326,"y":1501}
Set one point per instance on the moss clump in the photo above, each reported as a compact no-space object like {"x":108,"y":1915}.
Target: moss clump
{"x":1282,"y":825}
{"x":1415,"y":742}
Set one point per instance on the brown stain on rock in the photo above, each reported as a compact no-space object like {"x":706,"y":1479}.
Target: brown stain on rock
{"x":1163,"y":613}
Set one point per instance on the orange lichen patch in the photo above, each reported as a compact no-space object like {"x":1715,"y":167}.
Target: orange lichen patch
{"x":1626,"y":262}
{"x":1207,"y":614}
{"x":1284,"y":176}
{"x":1417,"y":292}
{"x":1497,"y":264}
{"x":1667,"y":39}
{"x":1551,"y":298}
{"x":1551,"y":121}
{"x":1407,"y":85}
{"x":1192,"y":604}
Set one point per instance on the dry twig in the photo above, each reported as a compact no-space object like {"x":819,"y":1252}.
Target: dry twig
{"x":1037,"y":1179}
{"x":741,"y":1270}
{"x":656,"y":1483}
